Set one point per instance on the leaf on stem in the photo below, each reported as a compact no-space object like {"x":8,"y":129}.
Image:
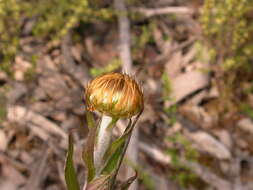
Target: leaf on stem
{"x":113,"y":153}
{"x":70,"y":173}
{"x":88,"y":156}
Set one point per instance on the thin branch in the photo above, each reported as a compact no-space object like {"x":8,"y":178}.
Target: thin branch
{"x":164,"y":10}
{"x":125,"y":56}
{"x":124,"y":36}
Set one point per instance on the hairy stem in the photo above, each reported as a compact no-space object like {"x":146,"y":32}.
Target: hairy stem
{"x":103,"y":140}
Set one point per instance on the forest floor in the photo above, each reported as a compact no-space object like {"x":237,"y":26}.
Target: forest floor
{"x":184,"y":141}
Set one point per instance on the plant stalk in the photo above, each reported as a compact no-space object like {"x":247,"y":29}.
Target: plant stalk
{"x":104,"y":135}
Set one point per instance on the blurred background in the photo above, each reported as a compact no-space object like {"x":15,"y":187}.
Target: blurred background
{"x":193,"y":59}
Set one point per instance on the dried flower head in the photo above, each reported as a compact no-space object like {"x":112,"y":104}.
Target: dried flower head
{"x":115,"y":95}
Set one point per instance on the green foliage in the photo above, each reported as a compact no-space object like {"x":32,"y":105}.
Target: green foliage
{"x":228,"y":27}
{"x":104,"y":177}
{"x":248,"y":88}
{"x":65,"y":15}
{"x":90,"y":120}
{"x":53,"y":19}
{"x":6,"y":66}
{"x":166,"y":94}
{"x":30,"y":74}
{"x":247,"y":109}
{"x":171,"y":112}
{"x":182,"y":174}
{"x":167,"y":88}
{"x":88,"y":156}
{"x":3,"y":111}
{"x":10,"y":26}
{"x":111,"y":66}
{"x":70,"y":173}
{"x":145,"y":178}
{"x":116,"y":151}
{"x":144,"y":37}
{"x":204,"y":54}
{"x":113,"y":153}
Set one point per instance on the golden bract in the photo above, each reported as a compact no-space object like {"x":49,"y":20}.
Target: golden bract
{"x":115,"y":95}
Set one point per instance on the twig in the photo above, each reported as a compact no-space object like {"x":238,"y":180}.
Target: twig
{"x":124,"y":36}
{"x":166,"y":54}
{"x":125,"y":56}
{"x":164,"y":10}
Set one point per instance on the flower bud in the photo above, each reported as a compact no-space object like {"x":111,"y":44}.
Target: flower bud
{"x":115,"y":95}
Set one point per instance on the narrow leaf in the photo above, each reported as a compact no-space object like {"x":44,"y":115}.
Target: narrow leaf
{"x":70,"y":173}
{"x":88,"y":154}
{"x":129,"y":128}
{"x":113,"y":153}
{"x":112,"y":162}
{"x":115,"y":145}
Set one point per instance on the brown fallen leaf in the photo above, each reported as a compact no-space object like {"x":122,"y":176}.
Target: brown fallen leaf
{"x":22,"y":115}
{"x":208,"y":143}
{"x":6,"y":184}
{"x":186,"y":84}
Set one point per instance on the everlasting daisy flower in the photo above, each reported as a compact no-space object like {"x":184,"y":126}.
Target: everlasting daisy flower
{"x":115,"y":95}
